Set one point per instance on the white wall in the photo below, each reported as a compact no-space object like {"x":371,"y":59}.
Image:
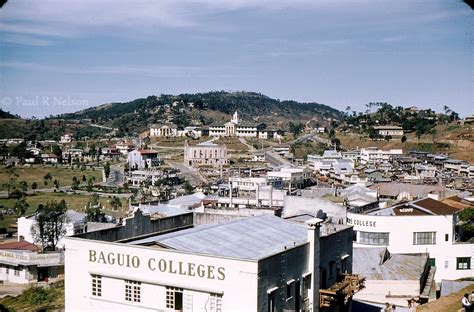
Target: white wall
{"x":24,"y":230}
{"x":401,"y":230}
{"x":239,"y":286}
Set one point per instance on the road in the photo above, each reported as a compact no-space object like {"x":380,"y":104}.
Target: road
{"x":191,"y":174}
{"x":275,"y":160}
{"x":115,"y":176}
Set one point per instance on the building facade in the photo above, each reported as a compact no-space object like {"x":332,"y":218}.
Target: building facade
{"x":206,"y":153}
{"x":412,"y":229}
{"x":141,"y":159}
{"x":163,"y":130}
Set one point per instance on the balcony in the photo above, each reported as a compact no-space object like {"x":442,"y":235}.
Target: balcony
{"x":340,"y":292}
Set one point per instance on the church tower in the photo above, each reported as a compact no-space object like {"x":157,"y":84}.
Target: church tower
{"x":235,"y":118}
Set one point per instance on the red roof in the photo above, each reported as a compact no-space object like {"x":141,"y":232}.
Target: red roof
{"x":21,"y":245}
{"x":147,"y":152}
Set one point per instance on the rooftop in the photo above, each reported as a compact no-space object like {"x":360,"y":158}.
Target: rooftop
{"x":252,"y":239}
{"x":145,"y":152}
{"x":21,"y":245}
{"x":367,"y":262}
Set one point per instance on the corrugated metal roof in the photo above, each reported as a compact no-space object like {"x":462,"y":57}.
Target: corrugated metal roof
{"x":253,"y":238}
{"x":366,"y":261}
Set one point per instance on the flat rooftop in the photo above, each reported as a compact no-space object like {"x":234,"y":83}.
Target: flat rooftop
{"x":251,"y":239}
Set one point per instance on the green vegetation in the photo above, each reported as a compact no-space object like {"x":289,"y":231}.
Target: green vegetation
{"x":36,"y":298}
{"x":51,"y":224}
{"x":43,"y":176}
{"x":7,"y":115}
{"x":467,"y":218}
{"x":301,"y":150}
{"x":379,"y":114}
{"x":153,"y":109}
{"x":448,"y":303}
{"x":73,"y":201}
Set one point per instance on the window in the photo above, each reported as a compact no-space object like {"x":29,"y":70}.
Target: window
{"x":370,"y":238}
{"x":289,"y":286}
{"x":216,"y":303}
{"x":463,"y":263}
{"x":446,"y":264}
{"x":16,"y":271}
{"x":132,"y":291}
{"x":7,"y":270}
{"x":306,"y":286}
{"x":354,"y":236}
{"x":424,"y":238}
{"x":271,"y":302}
{"x":432,"y":262}
{"x":174,"y":298}
{"x":446,"y":237}
{"x":96,"y":285}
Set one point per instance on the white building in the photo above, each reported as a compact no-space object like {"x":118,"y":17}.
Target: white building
{"x":206,"y":153}
{"x":237,"y":128}
{"x":193,"y":132}
{"x":140,"y":159}
{"x":375,"y":155}
{"x":258,"y":264}
{"x":389,"y":130}
{"x":291,"y":176}
{"x":124,"y":148}
{"x":22,"y":264}
{"x":49,"y":159}
{"x":422,"y":226}
{"x":67,"y":138}
{"x":163,"y":130}
{"x":74,"y":224}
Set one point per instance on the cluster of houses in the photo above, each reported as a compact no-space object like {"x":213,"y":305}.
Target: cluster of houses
{"x":233,"y":128}
{"x":354,"y":228}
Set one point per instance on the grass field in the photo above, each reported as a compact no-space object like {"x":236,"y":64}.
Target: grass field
{"x":232,"y":144}
{"x":74,"y":201}
{"x":35,"y":298}
{"x":446,"y":304}
{"x":36,"y":174}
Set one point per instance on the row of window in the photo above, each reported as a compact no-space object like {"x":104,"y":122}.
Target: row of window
{"x":16,"y":269}
{"x":462,"y":263}
{"x":381,"y":238}
{"x":174,"y":295}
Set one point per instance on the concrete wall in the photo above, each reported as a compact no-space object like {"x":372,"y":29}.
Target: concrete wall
{"x":276,"y":271}
{"x":141,"y":225}
{"x":295,"y":205}
{"x":332,"y":259}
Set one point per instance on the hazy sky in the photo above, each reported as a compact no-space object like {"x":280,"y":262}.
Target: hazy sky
{"x":63,"y":56}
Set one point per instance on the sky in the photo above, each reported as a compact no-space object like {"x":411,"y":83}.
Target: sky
{"x":64,"y":56}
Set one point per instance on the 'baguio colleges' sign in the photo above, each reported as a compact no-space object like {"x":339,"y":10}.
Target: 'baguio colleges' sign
{"x":158,"y":265}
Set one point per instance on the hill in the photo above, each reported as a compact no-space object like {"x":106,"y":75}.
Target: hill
{"x":7,"y":115}
{"x":201,"y":109}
